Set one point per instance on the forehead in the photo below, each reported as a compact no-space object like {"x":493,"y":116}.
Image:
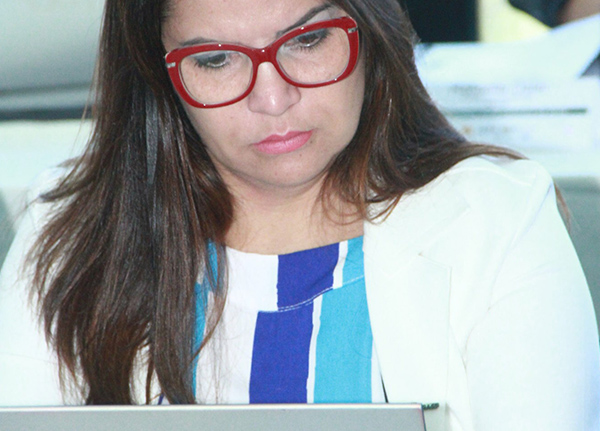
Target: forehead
{"x":252,"y":22}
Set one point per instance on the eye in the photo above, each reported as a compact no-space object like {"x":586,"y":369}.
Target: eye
{"x":212,"y":59}
{"x":308,"y":40}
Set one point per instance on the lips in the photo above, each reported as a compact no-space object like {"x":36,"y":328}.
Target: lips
{"x":281,"y":144}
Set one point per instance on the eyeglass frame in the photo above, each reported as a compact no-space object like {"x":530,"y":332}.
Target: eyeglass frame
{"x":258,"y":56}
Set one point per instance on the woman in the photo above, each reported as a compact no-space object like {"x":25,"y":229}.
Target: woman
{"x":213,"y":234}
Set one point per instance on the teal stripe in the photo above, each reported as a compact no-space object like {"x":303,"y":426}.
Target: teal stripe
{"x":201,"y":297}
{"x":354,"y":267}
{"x":345,"y":342}
{"x":201,"y":293}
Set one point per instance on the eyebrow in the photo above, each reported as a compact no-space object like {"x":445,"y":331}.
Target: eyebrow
{"x":303,"y":20}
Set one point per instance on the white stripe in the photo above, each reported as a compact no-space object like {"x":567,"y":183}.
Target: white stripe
{"x":338,"y":272}
{"x":312,"y":353}
{"x":377,"y":392}
{"x":225,"y":364}
{"x":252,"y":280}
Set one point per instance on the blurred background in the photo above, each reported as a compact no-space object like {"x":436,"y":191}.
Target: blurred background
{"x":499,"y":74}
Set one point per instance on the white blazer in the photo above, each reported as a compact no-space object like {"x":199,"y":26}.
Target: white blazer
{"x":478,"y":303}
{"x":476,"y":298}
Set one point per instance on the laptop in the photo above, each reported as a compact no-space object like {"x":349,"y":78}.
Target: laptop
{"x":255,"y":417}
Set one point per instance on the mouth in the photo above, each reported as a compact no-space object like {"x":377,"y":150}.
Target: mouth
{"x":281,"y":144}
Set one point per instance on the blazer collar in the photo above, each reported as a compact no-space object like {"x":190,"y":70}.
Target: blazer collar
{"x":408,"y":295}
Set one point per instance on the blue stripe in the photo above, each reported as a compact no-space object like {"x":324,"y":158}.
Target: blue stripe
{"x":345,"y":342}
{"x":305,"y":274}
{"x":280,"y":356}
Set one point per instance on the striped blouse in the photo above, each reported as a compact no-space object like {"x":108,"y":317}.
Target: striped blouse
{"x":295,"y":329}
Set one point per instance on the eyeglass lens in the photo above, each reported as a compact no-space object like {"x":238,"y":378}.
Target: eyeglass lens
{"x":314,"y":57}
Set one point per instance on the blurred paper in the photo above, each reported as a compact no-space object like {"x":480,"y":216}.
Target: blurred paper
{"x":526,"y":95}
{"x":562,"y":53}
{"x":526,"y":117}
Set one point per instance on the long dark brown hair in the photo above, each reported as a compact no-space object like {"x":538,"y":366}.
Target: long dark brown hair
{"x":116,"y":266}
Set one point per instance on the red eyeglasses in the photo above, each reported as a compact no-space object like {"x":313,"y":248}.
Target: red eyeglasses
{"x":212,"y":75}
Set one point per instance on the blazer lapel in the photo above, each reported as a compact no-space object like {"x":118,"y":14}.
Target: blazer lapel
{"x":408,"y":295}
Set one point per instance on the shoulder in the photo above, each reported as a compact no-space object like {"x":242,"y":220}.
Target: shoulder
{"x":44,"y":183}
{"x":497,"y":169}
{"x":481,"y":207}
{"x":27,"y":364}
{"x":494,"y":180}
{"x":16,"y":273}
{"x":489,"y":186}
{"x":495,"y":189}
{"x":38,"y":209}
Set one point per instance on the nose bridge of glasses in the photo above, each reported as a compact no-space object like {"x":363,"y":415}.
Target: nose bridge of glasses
{"x":267,"y":54}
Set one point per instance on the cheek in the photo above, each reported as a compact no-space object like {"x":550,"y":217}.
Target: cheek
{"x":353,"y":98}
{"x":337,"y":107}
{"x":207,"y":122}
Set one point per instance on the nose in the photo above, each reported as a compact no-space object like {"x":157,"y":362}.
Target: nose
{"x":271,"y":94}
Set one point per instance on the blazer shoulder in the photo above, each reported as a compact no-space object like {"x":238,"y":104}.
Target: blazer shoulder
{"x":492,"y":193}
{"x":497,"y":172}
{"x":492,"y":183}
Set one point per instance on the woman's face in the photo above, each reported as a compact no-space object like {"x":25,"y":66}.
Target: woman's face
{"x":280,"y":137}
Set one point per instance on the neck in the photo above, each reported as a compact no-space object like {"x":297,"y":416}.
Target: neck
{"x":284,"y":221}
